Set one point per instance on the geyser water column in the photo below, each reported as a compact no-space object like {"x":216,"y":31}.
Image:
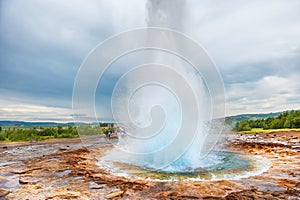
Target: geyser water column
{"x":159,"y":105}
{"x":154,"y":142}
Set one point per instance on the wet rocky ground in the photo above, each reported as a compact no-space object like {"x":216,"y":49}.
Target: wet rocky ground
{"x":66,"y":169}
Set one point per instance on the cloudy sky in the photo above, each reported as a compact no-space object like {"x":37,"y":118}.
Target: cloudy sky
{"x":255,"y":44}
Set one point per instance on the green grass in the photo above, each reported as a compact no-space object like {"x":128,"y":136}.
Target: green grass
{"x":41,"y":133}
{"x":260,"y":130}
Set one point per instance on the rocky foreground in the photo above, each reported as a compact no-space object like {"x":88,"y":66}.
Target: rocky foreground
{"x":65,"y":169}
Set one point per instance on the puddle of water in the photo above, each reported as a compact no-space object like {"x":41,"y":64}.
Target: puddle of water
{"x":94,"y":185}
{"x":7,"y":163}
{"x":33,"y":179}
{"x":63,"y":181}
{"x":63,"y":173}
{"x":10,"y":181}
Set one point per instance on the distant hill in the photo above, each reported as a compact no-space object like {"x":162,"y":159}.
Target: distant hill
{"x":243,"y":117}
{"x":235,"y":118}
{"x":34,"y":124}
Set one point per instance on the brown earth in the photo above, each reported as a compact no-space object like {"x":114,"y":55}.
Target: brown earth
{"x":65,"y":169}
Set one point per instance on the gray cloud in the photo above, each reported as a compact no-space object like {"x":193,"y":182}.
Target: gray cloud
{"x":271,"y":93}
{"x":255,"y":44}
{"x":44,"y":43}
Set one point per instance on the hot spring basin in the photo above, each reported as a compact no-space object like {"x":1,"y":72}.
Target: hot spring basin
{"x":230,"y":166}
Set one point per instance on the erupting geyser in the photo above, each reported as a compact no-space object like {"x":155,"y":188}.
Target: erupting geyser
{"x":169,"y":99}
{"x":164,"y":106}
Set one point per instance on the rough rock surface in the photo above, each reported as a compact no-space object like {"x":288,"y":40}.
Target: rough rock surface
{"x":45,"y":171}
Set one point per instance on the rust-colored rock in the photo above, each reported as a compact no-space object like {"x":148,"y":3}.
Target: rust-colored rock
{"x":114,"y":194}
{"x":4,"y":192}
{"x":74,"y":174}
{"x":63,"y":193}
{"x":23,"y":171}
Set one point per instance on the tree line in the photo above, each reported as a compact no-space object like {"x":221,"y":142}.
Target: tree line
{"x":288,"y":119}
{"x":41,"y":133}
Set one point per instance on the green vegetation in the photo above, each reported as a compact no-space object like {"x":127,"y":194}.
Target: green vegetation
{"x":265,"y":131}
{"x":29,"y":134}
{"x":87,"y":130}
{"x":286,"y":120}
{"x":246,"y":117}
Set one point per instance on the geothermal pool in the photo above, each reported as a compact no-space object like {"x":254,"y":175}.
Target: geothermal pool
{"x":221,"y":165}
